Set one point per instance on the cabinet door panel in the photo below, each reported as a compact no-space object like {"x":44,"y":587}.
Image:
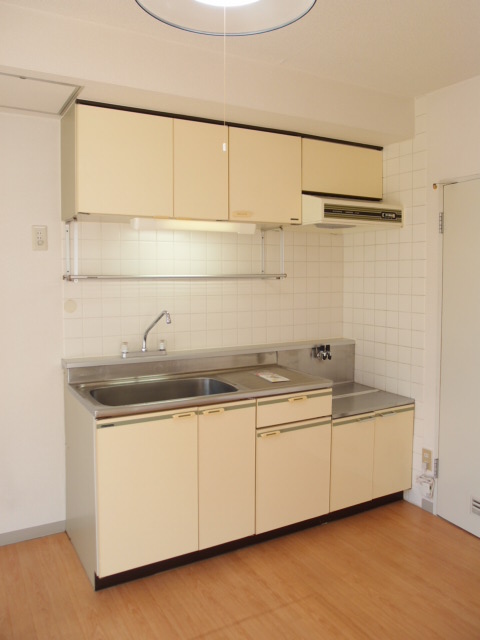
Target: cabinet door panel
{"x":352,"y":461}
{"x":392,"y":468}
{"x":341,"y":169}
{"x":146,"y":491}
{"x":293,"y":473}
{"x":265,"y":176}
{"x":226,"y":451}
{"x":124,"y":162}
{"x":294,"y":407}
{"x":200,"y":171}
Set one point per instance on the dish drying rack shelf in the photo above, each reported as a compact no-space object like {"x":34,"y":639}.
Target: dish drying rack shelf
{"x":72,"y":256}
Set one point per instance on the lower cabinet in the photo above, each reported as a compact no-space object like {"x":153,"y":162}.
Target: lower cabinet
{"x":392,"y":457}
{"x":142,"y":489}
{"x":226,"y":473}
{"x":293,"y":473}
{"x":146,"y":490}
{"x":352,"y":461}
{"x":371,"y":456}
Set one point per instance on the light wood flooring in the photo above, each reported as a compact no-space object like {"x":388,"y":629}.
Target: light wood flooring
{"x":394,"y":572}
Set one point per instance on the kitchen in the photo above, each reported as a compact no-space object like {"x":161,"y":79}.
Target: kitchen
{"x":394,"y":351}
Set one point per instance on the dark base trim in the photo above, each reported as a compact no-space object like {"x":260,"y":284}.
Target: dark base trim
{"x":195,"y":556}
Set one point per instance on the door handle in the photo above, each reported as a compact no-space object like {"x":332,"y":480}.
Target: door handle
{"x":298,"y":399}
{"x":209,"y":412}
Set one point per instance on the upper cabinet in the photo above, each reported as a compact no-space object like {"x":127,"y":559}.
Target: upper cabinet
{"x":121,"y":162}
{"x":337,"y":169}
{"x":116,"y":162}
{"x":265,"y":176}
{"x":200,"y":170}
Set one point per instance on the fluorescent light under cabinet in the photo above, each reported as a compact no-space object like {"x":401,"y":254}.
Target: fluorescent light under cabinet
{"x":169,"y":224}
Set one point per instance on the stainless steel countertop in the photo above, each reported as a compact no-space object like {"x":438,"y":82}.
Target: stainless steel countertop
{"x":246,"y":380}
{"x":352,"y":398}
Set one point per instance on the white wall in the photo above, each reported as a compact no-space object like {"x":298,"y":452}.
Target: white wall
{"x":154,"y":71}
{"x":100,"y":315}
{"x":32,"y":478}
{"x":392,"y":291}
{"x":385,"y":287}
{"x":453,"y":133}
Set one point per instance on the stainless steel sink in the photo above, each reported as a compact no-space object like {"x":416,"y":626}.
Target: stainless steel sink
{"x":129,"y":393}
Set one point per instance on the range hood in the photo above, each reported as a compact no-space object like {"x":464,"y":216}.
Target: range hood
{"x":340,"y":216}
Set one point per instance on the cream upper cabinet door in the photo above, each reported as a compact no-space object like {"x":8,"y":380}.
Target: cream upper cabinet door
{"x":124,"y":162}
{"x":265,"y":176}
{"x":392,"y":461}
{"x":352,"y":461}
{"x":146,"y":490}
{"x":200,"y":170}
{"x":341,"y":169}
{"x":226,"y":470}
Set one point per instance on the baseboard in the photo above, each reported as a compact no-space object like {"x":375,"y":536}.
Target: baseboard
{"x":21,"y":535}
{"x":427,"y":505}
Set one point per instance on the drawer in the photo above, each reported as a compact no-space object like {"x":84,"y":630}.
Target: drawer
{"x":294,"y":407}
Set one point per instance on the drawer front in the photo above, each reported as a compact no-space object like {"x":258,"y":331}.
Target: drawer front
{"x":294,"y":407}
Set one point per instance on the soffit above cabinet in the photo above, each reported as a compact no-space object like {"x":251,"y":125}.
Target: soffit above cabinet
{"x":39,"y":96}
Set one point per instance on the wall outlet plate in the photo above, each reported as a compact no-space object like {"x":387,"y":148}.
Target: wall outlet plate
{"x":39,"y":237}
{"x":427,"y":459}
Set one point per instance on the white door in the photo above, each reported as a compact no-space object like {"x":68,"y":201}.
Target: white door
{"x":459,"y":444}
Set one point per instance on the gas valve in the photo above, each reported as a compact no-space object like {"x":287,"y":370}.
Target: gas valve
{"x":323,"y":352}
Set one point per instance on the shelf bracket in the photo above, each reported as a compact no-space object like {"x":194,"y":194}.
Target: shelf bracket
{"x":72,"y":255}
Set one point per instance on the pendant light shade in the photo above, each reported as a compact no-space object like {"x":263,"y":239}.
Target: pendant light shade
{"x":227,"y":17}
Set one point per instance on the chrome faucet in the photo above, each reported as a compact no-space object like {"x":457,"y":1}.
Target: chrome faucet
{"x":168,"y":320}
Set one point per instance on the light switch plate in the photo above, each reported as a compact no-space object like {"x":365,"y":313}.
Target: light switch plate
{"x":39,"y":237}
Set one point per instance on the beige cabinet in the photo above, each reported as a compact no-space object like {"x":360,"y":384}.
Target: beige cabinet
{"x":293,"y":458}
{"x":341,"y":169}
{"x":392,"y":460}
{"x":146,"y":490}
{"x":371,"y":456}
{"x":200,"y":170}
{"x":226,"y":468}
{"x":352,"y":461}
{"x":293,"y":473}
{"x":293,"y":407}
{"x":116,"y":162}
{"x":264,"y":176}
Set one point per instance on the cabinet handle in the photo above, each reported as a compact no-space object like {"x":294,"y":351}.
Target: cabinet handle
{"x":242,"y":214}
{"x":366,"y":419}
{"x":209,"y":412}
{"x":386,"y":413}
{"x":297,"y":399}
{"x":269,"y":434}
{"x":177,"y":416}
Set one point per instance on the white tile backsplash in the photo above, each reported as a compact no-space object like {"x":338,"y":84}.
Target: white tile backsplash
{"x":385,"y":285}
{"x":308,"y":304}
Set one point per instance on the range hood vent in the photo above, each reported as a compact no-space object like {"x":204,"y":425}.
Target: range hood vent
{"x":339,"y":216}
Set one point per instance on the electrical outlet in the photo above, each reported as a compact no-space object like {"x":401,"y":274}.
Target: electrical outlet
{"x":39,"y":237}
{"x":427,"y":459}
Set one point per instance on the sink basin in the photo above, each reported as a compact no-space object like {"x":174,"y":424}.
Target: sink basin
{"x":158,"y":390}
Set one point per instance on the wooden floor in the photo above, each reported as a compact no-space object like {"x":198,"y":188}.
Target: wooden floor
{"x":394,"y":572}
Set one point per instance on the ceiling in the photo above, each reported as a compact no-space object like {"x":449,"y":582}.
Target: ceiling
{"x":400,"y":49}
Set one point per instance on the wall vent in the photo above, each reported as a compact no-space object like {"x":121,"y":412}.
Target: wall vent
{"x":476,"y":506}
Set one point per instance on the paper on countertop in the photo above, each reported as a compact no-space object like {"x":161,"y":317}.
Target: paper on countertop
{"x":271,"y":377}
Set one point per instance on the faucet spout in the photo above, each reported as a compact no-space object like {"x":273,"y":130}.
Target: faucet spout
{"x":168,"y":320}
